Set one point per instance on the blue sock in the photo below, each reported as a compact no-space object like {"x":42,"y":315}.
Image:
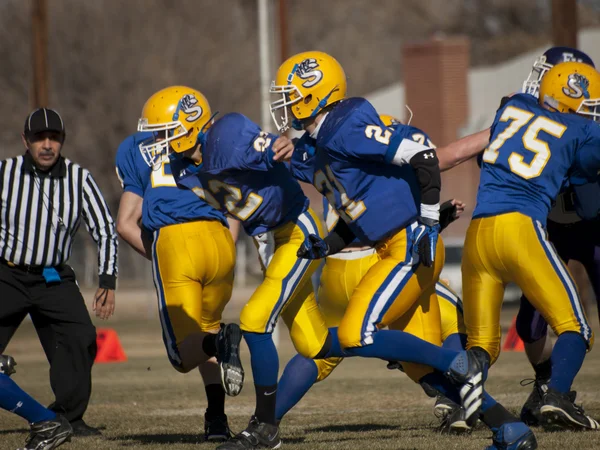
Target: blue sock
{"x":567,"y":357}
{"x":265,"y":369}
{"x":263,"y":357}
{"x":394,"y":345}
{"x":14,"y":399}
{"x":456,"y":341}
{"x":488,"y":402}
{"x":298,"y":377}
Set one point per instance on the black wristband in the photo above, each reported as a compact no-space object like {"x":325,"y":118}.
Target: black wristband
{"x":107,"y":282}
{"x":339,"y":238}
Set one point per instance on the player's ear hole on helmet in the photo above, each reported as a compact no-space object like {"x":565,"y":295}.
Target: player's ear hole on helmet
{"x":308,"y":99}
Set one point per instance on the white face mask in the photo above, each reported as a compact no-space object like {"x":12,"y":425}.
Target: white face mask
{"x":155,"y":151}
{"x":532,"y":84}
{"x":280,"y":111}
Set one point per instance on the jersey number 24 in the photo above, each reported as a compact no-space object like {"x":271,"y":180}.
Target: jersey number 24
{"x":530,"y":139}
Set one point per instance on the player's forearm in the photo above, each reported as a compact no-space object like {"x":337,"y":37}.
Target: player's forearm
{"x":462,"y":150}
{"x":133,"y":235}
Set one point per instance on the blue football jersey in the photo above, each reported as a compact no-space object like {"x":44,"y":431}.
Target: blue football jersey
{"x":532,"y":153}
{"x":238,"y":175}
{"x":164,"y":203}
{"x":353,"y":169}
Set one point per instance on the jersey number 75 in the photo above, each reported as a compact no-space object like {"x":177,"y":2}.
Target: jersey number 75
{"x":530,"y":139}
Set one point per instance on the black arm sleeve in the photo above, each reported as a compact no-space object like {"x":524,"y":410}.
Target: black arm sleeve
{"x":339,"y":238}
{"x":426,"y":165}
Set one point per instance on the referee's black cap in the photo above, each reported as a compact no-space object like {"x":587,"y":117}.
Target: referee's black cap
{"x":43,"y":119}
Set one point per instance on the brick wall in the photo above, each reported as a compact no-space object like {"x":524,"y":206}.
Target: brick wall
{"x":435,"y":77}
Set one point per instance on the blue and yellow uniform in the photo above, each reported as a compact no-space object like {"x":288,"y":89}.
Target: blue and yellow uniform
{"x":193,"y":254}
{"x":380,"y":203}
{"x":531,"y":153}
{"x":238,"y":176}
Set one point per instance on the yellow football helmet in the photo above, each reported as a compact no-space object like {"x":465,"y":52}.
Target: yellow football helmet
{"x":178,"y":116}
{"x":305,"y":84}
{"x":388,"y":120}
{"x":572,"y":87}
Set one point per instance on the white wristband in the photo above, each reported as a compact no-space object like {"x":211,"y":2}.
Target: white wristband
{"x":431,"y":211}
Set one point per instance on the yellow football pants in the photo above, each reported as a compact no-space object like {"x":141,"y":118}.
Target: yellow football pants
{"x":397,"y":292}
{"x":193,"y":275}
{"x":341,"y":275}
{"x":515,"y":248}
{"x":287,"y":288}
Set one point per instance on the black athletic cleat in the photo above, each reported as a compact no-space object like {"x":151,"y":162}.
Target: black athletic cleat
{"x":216,"y":429}
{"x":467,"y":372}
{"x":257,"y":435}
{"x":530,"y":413}
{"x":48,"y":434}
{"x":559,"y":411}
{"x":228,"y":357}
{"x":7,"y":365}
{"x":443,"y":407}
{"x":453,"y":422}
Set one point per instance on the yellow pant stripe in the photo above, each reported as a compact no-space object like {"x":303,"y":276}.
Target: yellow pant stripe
{"x":385,"y":295}
{"x":308,"y":226}
{"x":446,"y":294}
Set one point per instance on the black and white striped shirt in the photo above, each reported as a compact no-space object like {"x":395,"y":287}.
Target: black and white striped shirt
{"x":41,"y":212}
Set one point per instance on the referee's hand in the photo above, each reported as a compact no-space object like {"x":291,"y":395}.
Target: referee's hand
{"x":104,"y":303}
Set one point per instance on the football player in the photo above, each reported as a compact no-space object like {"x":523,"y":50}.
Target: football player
{"x":340,"y":275}
{"x":193,"y":257}
{"x":48,"y":430}
{"x":234,"y":166}
{"x":573,"y":237}
{"x":385,"y":185}
{"x":534,"y":146}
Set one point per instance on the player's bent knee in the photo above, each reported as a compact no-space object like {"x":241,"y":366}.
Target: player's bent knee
{"x":307,"y":348}
{"x":416,"y":371}
{"x":492,"y":348}
{"x":326,"y":366}
{"x":348,"y":338}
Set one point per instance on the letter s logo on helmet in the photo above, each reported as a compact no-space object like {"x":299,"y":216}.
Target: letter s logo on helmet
{"x":189,"y":105}
{"x":307,"y":71}
{"x":577,"y":86}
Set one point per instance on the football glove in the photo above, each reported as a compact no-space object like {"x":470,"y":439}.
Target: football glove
{"x":447,"y":214}
{"x":425,"y":238}
{"x":313,"y":247}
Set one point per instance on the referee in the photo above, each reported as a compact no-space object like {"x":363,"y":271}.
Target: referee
{"x":43,"y":200}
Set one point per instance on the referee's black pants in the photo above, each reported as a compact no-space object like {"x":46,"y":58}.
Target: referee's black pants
{"x":63,"y":325}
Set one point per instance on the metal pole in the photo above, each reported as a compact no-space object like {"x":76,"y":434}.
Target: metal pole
{"x":564,"y":23}
{"x":264,"y":50}
{"x":39,"y":40}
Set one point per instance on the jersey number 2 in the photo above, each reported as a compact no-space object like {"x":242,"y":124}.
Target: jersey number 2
{"x":531,"y":142}
{"x":231,"y":199}
{"x":325,"y":182}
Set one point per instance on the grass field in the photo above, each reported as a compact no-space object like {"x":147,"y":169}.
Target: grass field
{"x":145,"y":404}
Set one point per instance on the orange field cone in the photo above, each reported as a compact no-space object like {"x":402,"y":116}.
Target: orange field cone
{"x":513,"y":342}
{"x":109,"y":346}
